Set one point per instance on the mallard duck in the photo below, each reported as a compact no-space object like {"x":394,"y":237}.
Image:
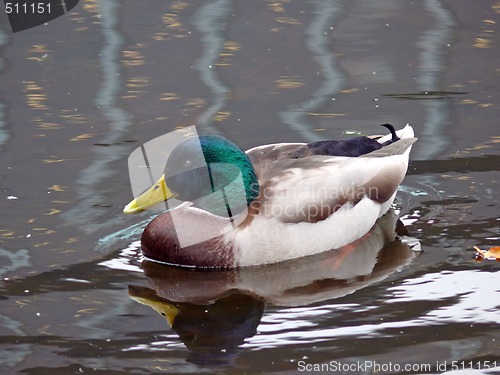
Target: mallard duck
{"x":271,"y":203}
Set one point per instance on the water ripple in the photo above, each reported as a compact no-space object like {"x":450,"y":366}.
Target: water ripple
{"x":476,"y":293}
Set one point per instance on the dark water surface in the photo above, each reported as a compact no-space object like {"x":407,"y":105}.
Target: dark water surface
{"x":79,"y":94}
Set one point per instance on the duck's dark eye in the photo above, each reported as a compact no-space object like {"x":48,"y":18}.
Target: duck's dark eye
{"x":157,"y":187}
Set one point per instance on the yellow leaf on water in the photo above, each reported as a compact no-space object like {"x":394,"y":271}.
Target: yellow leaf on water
{"x":48,"y":161}
{"x":492,"y":253}
{"x":288,"y":20}
{"x":288,"y":82}
{"x":57,"y":188}
{"x":81,"y":137}
{"x":53,"y":211}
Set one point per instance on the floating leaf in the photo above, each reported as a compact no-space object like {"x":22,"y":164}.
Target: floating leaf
{"x":48,"y":161}
{"x":222,"y":115}
{"x":82,"y":137}
{"x":493,"y":253}
{"x":53,"y":211}
{"x":167,"y":96}
{"x":288,"y":20}
{"x":326,"y":115}
{"x":288,"y":82}
{"x":57,"y":188}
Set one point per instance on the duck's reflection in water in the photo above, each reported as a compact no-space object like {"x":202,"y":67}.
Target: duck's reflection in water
{"x":213,"y":312}
{"x":213,"y":331}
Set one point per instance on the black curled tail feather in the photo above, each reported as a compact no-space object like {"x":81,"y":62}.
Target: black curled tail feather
{"x":353,"y":147}
{"x":395,"y":137}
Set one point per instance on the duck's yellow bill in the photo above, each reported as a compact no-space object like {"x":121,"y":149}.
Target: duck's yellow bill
{"x":157,"y":193}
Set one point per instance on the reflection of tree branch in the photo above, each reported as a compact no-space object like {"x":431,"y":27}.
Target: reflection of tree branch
{"x":209,"y":20}
{"x":297,"y":116}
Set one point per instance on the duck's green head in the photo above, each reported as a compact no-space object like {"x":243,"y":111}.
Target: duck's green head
{"x":210,"y":171}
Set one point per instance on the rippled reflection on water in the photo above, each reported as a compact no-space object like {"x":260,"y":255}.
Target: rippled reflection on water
{"x":216,"y":312}
{"x":79,"y":94}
